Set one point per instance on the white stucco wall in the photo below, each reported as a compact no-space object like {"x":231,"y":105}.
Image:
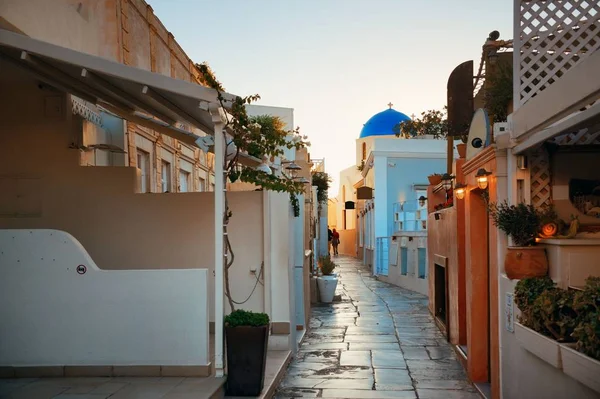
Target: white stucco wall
{"x":52,"y":315}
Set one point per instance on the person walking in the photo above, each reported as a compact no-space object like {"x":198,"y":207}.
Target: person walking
{"x":335,"y":242}
{"x":329,"y":238}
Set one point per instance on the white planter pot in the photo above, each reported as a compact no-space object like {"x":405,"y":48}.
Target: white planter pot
{"x":327,"y":286}
{"x":581,"y":367}
{"x":543,"y":347}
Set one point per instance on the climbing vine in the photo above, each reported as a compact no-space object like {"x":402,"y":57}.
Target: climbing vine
{"x":263,"y":137}
{"x":321,"y":180}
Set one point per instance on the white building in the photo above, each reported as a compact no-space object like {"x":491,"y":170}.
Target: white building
{"x":388,"y":231}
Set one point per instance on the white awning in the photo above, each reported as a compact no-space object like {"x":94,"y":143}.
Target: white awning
{"x":132,"y":93}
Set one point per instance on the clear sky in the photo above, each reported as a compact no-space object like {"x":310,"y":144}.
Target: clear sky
{"x":336,"y":62}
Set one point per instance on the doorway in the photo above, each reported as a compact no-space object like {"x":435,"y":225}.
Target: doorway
{"x":478,"y":289}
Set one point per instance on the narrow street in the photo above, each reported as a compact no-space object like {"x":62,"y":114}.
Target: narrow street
{"x":379,"y":342}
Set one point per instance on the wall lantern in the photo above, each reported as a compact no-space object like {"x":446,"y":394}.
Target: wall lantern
{"x":482,"y":178}
{"x":422,"y":200}
{"x":460,"y":190}
{"x":292,"y":167}
{"x":447,"y":181}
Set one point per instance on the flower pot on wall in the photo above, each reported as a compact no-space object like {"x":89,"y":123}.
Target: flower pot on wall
{"x":327,"y":285}
{"x":580,"y":367}
{"x":523,"y":262}
{"x":543,"y":347}
{"x":246,"y":359}
{"x":462,"y":150}
{"x":434,"y":180}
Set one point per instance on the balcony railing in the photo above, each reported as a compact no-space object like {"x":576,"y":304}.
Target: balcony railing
{"x":410,"y":216}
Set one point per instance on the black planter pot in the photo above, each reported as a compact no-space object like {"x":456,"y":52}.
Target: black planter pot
{"x":246,"y":360}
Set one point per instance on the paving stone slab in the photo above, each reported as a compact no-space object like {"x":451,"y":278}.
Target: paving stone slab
{"x":370,"y":338}
{"x":355,"y":358}
{"x":415,"y":353}
{"x":361,"y":394}
{"x":393,"y":380}
{"x":326,"y":346}
{"x":446,"y":364}
{"x":298,"y":393}
{"x":362,"y":346}
{"x":446,"y":394}
{"x":460,"y":385}
{"x":388,"y":359}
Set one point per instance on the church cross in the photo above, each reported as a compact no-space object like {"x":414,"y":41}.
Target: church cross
{"x":390,"y":105}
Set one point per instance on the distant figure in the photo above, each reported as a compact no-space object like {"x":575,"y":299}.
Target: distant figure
{"x":329,"y":238}
{"x":335,"y":242}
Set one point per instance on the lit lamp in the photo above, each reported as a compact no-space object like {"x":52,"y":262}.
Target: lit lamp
{"x":482,"y":178}
{"x":460,"y":190}
{"x":447,"y":181}
{"x":422,"y":200}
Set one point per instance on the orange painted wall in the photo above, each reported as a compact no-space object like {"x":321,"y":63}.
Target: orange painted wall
{"x":446,"y":238}
{"x":481,"y":276}
{"x":347,"y":242}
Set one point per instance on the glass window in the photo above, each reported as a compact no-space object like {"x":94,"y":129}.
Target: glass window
{"x":143,"y":163}
{"x":166,"y":176}
{"x":184,"y":180}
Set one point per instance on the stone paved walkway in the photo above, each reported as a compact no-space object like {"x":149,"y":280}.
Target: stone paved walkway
{"x":379,"y":342}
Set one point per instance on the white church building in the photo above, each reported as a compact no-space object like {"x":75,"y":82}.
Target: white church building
{"x":382,"y":206}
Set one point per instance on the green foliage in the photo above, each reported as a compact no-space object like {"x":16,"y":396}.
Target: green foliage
{"x":564,"y":315}
{"x":241,"y":317}
{"x":431,"y":122}
{"x":499,"y":92}
{"x":527,"y":291}
{"x":553,"y":315}
{"x":295,"y":205}
{"x":587,"y":306}
{"x":326,"y":265}
{"x":321,"y":180}
{"x":259,"y":136}
{"x":521,"y":222}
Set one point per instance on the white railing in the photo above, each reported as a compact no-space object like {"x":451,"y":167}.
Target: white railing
{"x":410,"y":216}
{"x":551,"y":36}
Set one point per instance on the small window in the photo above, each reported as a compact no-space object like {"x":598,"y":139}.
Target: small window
{"x":364,"y":151}
{"x":422,"y":253}
{"x":166,"y":177}
{"x":202,"y":185}
{"x":143,"y":164}
{"x":404,"y":261}
{"x":184,"y":181}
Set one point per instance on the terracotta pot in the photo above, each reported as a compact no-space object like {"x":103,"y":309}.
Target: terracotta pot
{"x":462,"y":150}
{"x":434,"y":180}
{"x":523,"y":262}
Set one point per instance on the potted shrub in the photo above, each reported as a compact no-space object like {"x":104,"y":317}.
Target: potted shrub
{"x":435,"y":179}
{"x":529,"y":331}
{"x":247,"y":337}
{"x":583,"y":362}
{"x":522,"y":224}
{"x":327,"y":282}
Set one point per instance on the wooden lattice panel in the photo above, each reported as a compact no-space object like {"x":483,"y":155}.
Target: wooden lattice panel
{"x":582,"y":137}
{"x":541,"y":188}
{"x":554,"y":35}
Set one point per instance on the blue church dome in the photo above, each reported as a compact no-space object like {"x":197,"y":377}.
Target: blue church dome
{"x":382,"y":124}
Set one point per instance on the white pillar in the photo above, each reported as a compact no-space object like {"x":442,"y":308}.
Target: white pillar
{"x":219,"y":244}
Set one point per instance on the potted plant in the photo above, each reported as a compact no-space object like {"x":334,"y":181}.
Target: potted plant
{"x":522,"y":224}
{"x":435,"y":179}
{"x":247,"y":337}
{"x":327,"y":282}
{"x":583,"y":362}
{"x":529,"y":331}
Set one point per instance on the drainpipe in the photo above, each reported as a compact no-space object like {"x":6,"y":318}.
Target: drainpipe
{"x":219,"y":230}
